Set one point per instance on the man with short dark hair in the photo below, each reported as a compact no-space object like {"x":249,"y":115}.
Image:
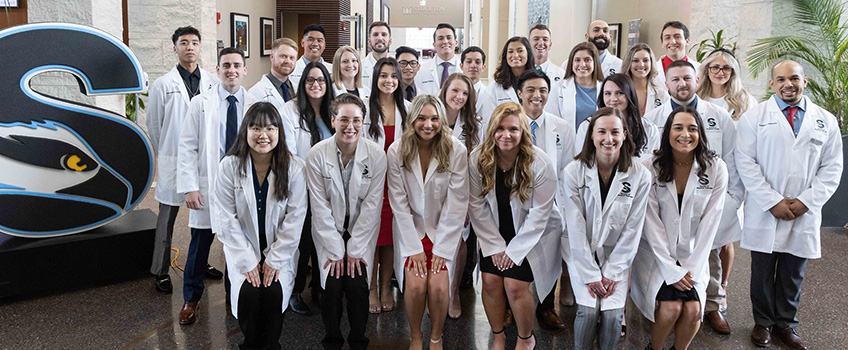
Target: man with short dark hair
{"x":540,"y":41}
{"x":407,"y":58}
{"x":208,"y":132}
{"x":313,"y":44}
{"x":379,"y":40}
{"x":555,"y":136}
{"x":675,"y":42}
{"x":473,"y":63}
{"x":170,"y":96}
{"x":790,"y":159}
{"x":434,"y":72}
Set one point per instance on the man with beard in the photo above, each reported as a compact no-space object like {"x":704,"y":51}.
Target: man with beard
{"x":790,"y":160}
{"x":379,"y":40}
{"x":276,"y":87}
{"x":313,"y":44}
{"x":675,"y":41}
{"x":473,"y":63}
{"x":540,"y":40}
{"x":434,"y":72}
{"x":598,"y":34}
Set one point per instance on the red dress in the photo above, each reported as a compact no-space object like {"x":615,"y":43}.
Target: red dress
{"x":385,"y":236}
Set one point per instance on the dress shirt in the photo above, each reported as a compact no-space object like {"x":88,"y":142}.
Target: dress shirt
{"x":222,"y":114}
{"x":540,"y":130}
{"x":799,"y":115}
{"x":279,"y":86}
{"x":191,"y":80}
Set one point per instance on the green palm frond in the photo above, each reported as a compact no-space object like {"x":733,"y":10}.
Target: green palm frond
{"x":821,"y":42}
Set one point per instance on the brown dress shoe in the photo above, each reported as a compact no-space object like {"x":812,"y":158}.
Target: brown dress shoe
{"x":550,"y":321}
{"x":718,"y":322}
{"x":790,"y":338}
{"x":507,"y":318}
{"x":189,"y":313}
{"x":761,"y":335}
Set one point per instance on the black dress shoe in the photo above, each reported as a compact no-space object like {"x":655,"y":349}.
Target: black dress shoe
{"x":761,"y":336}
{"x":297,"y":305}
{"x":790,"y":338}
{"x":213,"y":273}
{"x":163,"y":284}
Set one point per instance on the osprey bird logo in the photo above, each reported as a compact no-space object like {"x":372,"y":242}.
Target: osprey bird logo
{"x":67,"y":167}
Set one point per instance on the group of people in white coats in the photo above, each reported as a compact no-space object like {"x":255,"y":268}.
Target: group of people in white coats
{"x":625,"y":184}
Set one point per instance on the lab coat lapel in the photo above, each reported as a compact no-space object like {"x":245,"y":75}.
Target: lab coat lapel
{"x":594,"y":182}
{"x":332,"y":160}
{"x":178,"y":80}
{"x":615,"y":189}
{"x":686,"y":207}
{"x":551,"y":141}
{"x":776,"y":115}
{"x":250,"y":197}
{"x":359,"y":170}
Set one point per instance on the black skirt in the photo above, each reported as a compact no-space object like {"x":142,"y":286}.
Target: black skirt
{"x":521,"y":273}
{"x":669,"y":293}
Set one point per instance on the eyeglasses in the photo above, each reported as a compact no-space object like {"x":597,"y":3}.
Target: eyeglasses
{"x":347,"y":121}
{"x":725,"y":69}
{"x":412,"y":64}
{"x":320,"y":81}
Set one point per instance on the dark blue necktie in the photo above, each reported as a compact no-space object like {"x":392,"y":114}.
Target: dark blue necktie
{"x":232,"y":122}
{"x":286,"y":94}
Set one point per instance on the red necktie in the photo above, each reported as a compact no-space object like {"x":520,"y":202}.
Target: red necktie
{"x":790,"y":116}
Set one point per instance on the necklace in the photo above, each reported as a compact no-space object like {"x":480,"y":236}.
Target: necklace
{"x":684,"y":163}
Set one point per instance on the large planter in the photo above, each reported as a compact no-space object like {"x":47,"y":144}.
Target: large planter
{"x":835,"y":211}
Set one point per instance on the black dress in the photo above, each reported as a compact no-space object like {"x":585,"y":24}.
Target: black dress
{"x":507,"y":231}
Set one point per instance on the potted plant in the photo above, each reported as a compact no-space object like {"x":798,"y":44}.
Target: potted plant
{"x":819,"y":43}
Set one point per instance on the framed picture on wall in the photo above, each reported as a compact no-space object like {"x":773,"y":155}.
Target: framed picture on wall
{"x":240,"y":27}
{"x":615,"y":38}
{"x":266,"y":35}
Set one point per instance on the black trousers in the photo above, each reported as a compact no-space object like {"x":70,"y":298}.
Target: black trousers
{"x":307,"y":254}
{"x":260,"y":315}
{"x":471,"y":257}
{"x":776,"y":288}
{"x":548,"y":303}
{"x":356,"y":291}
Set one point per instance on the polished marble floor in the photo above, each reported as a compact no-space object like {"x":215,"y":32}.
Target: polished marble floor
{"x":132,"y":315}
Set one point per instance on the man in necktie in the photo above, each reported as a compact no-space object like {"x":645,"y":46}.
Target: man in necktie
{"x":408,"y":61}
{"x":789,"y":156}
{"x":555,"y":137}
{"x":435,"y":71}
{"x":540,"y":40}
{"x":220,"y":110}
{"x":277,"y":86}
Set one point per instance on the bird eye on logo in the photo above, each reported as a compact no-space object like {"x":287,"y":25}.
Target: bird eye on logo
{"x":657,"y":102}
{"x":819,"y":123}
{"x":365,"y":171}
{"x":711,"y":122}
{"x":704,"y":180}
{"x":68,"y":167}
{"x":625,"y":187}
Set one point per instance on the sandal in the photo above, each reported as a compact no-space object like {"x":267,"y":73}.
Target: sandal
{"x":528,"y":338}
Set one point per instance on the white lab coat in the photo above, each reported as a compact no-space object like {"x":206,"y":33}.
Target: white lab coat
{"x":721,"y":102}
{"x":533,"y":242}
{"x":774,"y":164}
{"x":610,"y":65}
{"x":479,"y":87}
{"x":493,"y":96}
{"x":555,"y":73}
{"x":651,"y":133}
{"x":460,"y":135}
{"x":365,"y":195}
{"x":661,"y":72}
{"x":434,"y":205}
{"x":562,"y":101}
{"x":199,"y":155}
{"x":721,"y":135}
{"x":685,"y":237}
{"x":368,"y":64}
{"x":239,"y":228}
{"x":298,"y":71}
{"x":608,"y":233}
{"x":428,"y":81}
{"x":265,"y":91}
{"x":363,"y":93}
{"x":656,"y":97}
{"x":300,"y":136}
{"x":166,"y":111}
{"x":366,"y":124}
{"x":559,"y":143}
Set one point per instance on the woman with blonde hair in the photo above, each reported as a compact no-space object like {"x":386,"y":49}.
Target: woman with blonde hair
{"x":638,"y":64}
{"x":347,"y":73}
{"x":428,"y":193}
{"x":512,"y":187}
{"x":722,"y":85}
{"x":460,"y":100}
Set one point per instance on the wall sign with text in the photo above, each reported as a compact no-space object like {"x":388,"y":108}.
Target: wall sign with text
{"x":67,"y":167}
